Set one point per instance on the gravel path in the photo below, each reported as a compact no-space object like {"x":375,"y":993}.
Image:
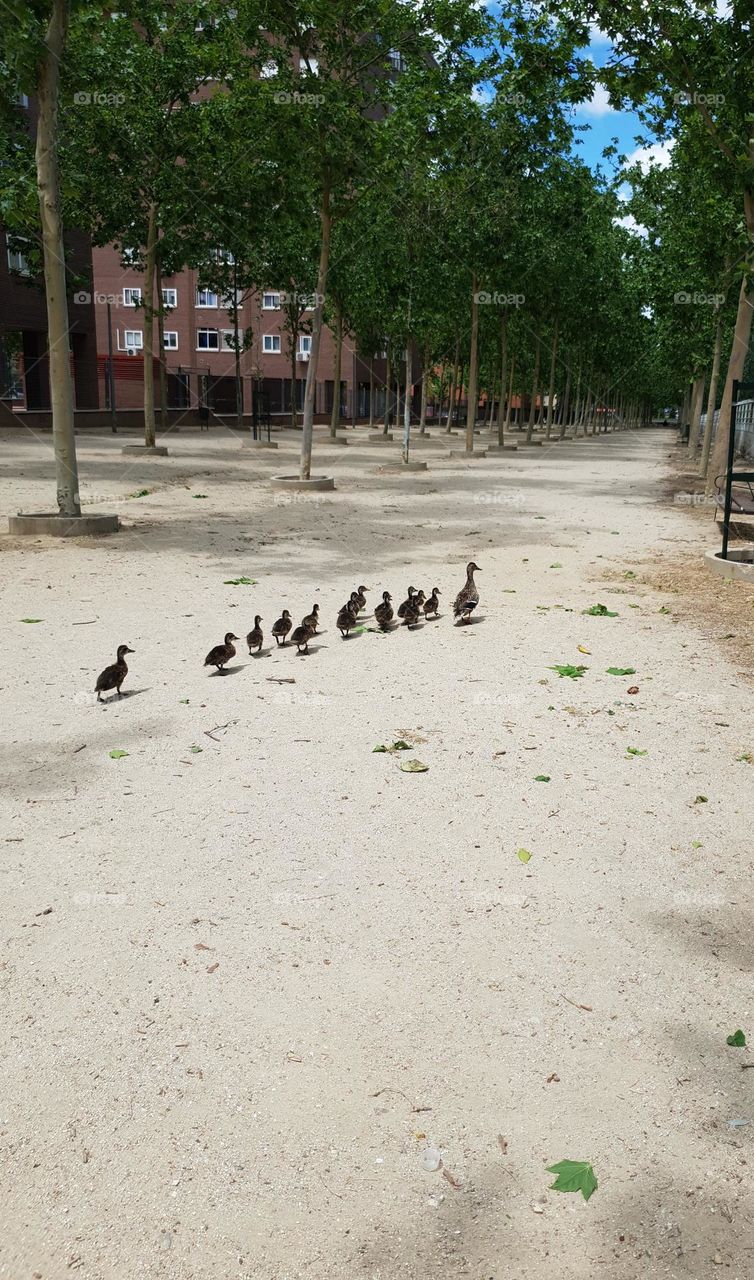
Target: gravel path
{"x":252,"y":971}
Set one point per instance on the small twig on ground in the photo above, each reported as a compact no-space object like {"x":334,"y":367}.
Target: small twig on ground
{"x":586,"y":1007}
{"x":209,"y":733}
{"x":390,"y":1089}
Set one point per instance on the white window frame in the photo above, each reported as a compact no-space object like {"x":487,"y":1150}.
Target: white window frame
{"x":208,"y":348}
{"x":133,"y":340}
{"x":305,"y":344}
{"x":271,"y":338}
{"x":270,"y":306}
{"x":206,"y":293}
{"x":17,"y":259}
{"x":170,"y":333}
{"x":131,"y":295}
{"x":231,"y":333}
{"x":166,"y":298}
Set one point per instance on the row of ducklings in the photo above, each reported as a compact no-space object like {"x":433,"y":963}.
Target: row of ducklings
{"x":410,"y":612}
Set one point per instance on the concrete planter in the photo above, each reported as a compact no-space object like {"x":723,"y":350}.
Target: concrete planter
{"x":259,"y":444}
{"x":470,"y":457}
{"x":145,"y":451}
{"x":315,"y":484}
{"x":57,"y":526}
{"x":501,"y":448}
{"x":378,"y":437}
{"x":396,"y":468}
{"x":740,"y":563}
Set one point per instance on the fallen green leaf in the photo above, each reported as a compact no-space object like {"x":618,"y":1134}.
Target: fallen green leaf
{"x":414,"y":766}
{"x":700,"y":800}
{"x":621,"y":671}
{"x":556,"y":565}
{"x":117,"y":755}
{"x":662,"y":609}
{"x":199,"y":495}
{"x":240,"y":582}
{"x":523,"y":855}
{"x":542,"y":777}
{"x":195,"y":750}
{"x":696,"y":844}
{"x":183,"y":701}
{"x":32,"y":619}
{"x":141,"y":493}
{"x":600,"y":611}
{"x":737,"y":1040}
{"x":746,"y":758}
{"x":634,"y":751}
{"x":400,"y":745}
{"x":567,"y":671}
{"x":573,"y":1175}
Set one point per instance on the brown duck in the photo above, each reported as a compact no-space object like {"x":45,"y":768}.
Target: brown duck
{"x":221,"y":653}
{"x":302,"y":635}
{"x":255,"y":638}
{"x":281,"y":628}
{"x":432,"y":606}
{"x":383,"y":614}
{"x":413,"y":610}
{"x":407,"y":602}
{"x":347,"y":617}
{"x":468,"y":597}
{"x":311,"y":620}
{"x":114,"y":675}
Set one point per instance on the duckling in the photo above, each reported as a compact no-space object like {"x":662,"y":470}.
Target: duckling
{"x":255,"y":639}
{"x":347,"y":617}
{"x":222,"y":653}
{"x":113,"y":676}
{"x":413,"y":610}
{"x":361,"y":597}
{"x":311,"y":620}
{"x":406,"y":603}
{"x":383,"y":614}
{"x":432,"y":606}
{"x":302,"y":635}
{"x":281,"y":628}
{"x":468,"y":597}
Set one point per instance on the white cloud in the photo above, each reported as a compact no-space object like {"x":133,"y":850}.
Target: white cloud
{"x":481,"y":94}
{"x":656,"y":153}
{"x":597,"y":35}
{"x":630,"y":224}
{"x":599,"y":104}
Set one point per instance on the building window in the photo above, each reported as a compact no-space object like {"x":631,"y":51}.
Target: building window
{"x":207,"y":340}
{"x":133,"y":340}
{"x":17,"y":259}
{"x":170,"y":340}
{"x":270,"y":301}
{"x":131,"y":297}
{"x":229,"y":339}
{"x":206,"y":298}
{"x":395,"y":58}
{"x":170,"y":298}
{"x":271,"y":344}
{"x":313,"y":66}
{"x":305,"y":344}
{"x":222,"y":255}
{"x":21,"y":99}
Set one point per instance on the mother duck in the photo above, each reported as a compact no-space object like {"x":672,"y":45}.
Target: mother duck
{"x":468,"y":597}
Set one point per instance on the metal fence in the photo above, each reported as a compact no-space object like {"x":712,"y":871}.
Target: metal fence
{"x":744,"y":427}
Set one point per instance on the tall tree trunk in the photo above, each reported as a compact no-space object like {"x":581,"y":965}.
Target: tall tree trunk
{"x":697,"y":400}
{"x":163,"y":373}
{"x":335,"y":415}
{"x":407,"y":399}
{"x":48,"y":189}
{"x":712,"y":396}
{"x":425,"y":380}
{"x":565,"y":408}
{"x":453,"y":383}
{"x":509,"y":402}
{"x":551,"y":386}
{"x":503,"y":373}
{"x":534,"y":389}
{"x":310,"y":394}
{"x":371,"y":393}
{"x":739,"y":352}
{"x":148,"y":350}
{"x":388,"y":376}
{"x":473,"y":355}
{"x":294,"y":388}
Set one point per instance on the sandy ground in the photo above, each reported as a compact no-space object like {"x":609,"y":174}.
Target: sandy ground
{"x":245,"y":988}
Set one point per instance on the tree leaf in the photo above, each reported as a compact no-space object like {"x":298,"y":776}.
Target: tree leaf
{"x":380,"y":748}
{"x":542,"y":777}
{"x":621,"y":671}
{"x":196,"y":750}
{"x":183,"y":701}
{"x":634,"y":751}
{"x":523,"y":855}
{"x":566,"y":670}
{"x":700,"y":800}
{"x":581,"y":649}
{"x":737,"y":1040}
{"x":414,"y":766}
{"x":573,"y":1175}
{"x":117,"y":755}
{"x":32,"y":619}
{"x":240,"y":582}
{"x":600,"y":611}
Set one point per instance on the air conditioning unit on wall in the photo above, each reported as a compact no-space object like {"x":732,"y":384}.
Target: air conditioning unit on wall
{"x":303,"y":356}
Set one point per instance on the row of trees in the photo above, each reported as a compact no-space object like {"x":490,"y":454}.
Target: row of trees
{"x":417,"y":173}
